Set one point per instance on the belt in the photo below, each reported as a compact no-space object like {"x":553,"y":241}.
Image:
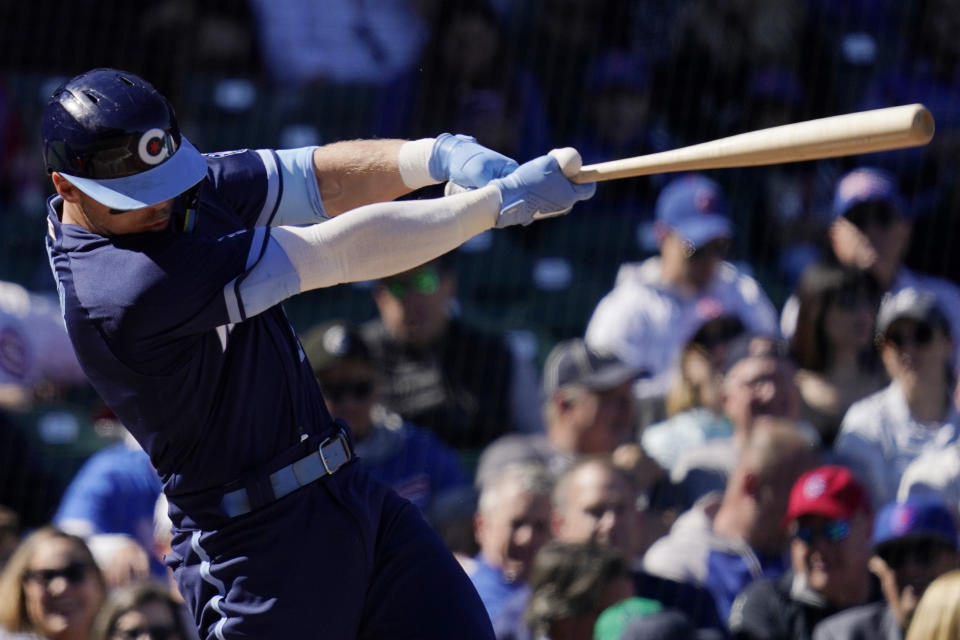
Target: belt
{"x":333,"y":453}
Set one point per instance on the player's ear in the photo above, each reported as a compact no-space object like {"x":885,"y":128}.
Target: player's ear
{"x":65,"y":189}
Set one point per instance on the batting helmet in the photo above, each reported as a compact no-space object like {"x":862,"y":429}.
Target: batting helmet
{"x":116,"y":138}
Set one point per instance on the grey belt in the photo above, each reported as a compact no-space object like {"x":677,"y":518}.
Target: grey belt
{"x":333,"y":453}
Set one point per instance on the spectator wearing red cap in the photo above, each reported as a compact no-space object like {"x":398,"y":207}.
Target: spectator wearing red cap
{"x":830,"y":521}
{"x":914,"y":542}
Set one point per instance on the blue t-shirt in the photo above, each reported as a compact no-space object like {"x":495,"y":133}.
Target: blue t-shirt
{"x":116,"y":491}
{"x":159,"y":324}
{"x":728,"y":574}
{"x":493,"y":588}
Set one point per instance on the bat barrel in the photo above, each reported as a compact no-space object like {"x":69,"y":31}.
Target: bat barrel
{"x":843,"y":135}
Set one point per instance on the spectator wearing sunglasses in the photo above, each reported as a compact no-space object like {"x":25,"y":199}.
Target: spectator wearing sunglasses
{"x":881,"y":434}
{"x":142,"y":611}
{"x":871,"y":230}
{"x":50,"y":589}
{"x":914,"y":542}
{"x":412,"y":461}
{"x":658,"y":304}
{"x":466,"y":385}
{"x":829,"y":519}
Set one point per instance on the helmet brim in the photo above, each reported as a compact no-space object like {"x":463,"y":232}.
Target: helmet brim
{"x":180,"y":172}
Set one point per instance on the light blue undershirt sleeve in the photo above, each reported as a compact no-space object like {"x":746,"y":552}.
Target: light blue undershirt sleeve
{"x":300,"y":201}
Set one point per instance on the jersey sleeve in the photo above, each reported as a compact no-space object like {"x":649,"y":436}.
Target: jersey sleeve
{"x":269,"y":187}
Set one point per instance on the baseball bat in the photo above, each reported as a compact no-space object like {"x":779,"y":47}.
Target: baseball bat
{"x":844,"y":135}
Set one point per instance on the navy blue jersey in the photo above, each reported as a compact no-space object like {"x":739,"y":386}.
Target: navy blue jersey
{"x":159,"y":326}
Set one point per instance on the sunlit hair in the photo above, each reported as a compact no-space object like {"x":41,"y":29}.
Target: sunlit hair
{"x":937,"y":616}
{"x":13,"y":608}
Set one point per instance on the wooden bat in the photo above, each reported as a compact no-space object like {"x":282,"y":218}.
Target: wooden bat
{"x":845,"y":135}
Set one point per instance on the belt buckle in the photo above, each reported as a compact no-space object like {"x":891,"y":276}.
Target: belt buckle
{"x":338,"y":457}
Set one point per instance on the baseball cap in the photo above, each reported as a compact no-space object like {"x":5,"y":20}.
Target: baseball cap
{"x":331,"y":342}
{"x":830,"y":491}
{"x":865,"y":184}
{"x":911,"y":304}
{"x":752,"y":345}
{"x":918,"y":517}
{"x":694,"y":207}
{"x":572,"y":362}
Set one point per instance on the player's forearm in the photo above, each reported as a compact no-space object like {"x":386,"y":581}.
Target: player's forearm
{"x":385,"y":238}
{"x":355,"y":173}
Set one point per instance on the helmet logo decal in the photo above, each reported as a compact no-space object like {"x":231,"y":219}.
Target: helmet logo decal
{"x":153,"y":148}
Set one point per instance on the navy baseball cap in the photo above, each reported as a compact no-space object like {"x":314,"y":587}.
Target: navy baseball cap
{"x":866,"y":184}
{"x":925,"y":517}
{"x":572,"y":362}
{"x":694,"y":207}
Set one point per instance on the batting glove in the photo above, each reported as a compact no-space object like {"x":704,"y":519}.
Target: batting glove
{"x":460,"y":159}
{"x":539,"y":189}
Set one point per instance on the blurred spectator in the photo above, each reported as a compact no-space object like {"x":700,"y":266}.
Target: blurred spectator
{"x":512,"y":523}
{"x":465,"y":385}
{"x":694,"y":401}
{"x":110,"y":503}
{"x":571,"y":584}
{"x":29,"y":486}
{"x":613,"y":622}
{"x":914,"y":542}
{"x":725,"y":541}
{"x":51,"y":587}
{"x":9,"y":534}
{"x":588,"y":409}
{"x":937,"y":616}
{"x":758,"y":381}
{"x":830,"y":520}
{"x":142,"y":609}
{"x":339,"y":41}
{"x":881,"y":434}
{"x":871,"y":231}
{"x":477,"y":88}
{"x":833,"y":344}
{"x":411,"y":461}
{"x":935,"y":472}
{"x":656,"y":305}
{"x":34,"y":348}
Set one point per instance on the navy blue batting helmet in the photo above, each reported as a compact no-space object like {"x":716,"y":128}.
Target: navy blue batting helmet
{"x":116,"y":138}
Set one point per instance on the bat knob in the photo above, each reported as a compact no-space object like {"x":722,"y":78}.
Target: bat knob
{"x":569,"y":160}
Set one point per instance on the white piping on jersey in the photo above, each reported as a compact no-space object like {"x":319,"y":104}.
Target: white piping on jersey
{"x":273,"y":188}
{"x":230,"y":292}
{"x":209,"y":578}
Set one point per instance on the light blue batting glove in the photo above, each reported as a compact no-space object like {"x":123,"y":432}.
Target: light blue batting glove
{"x":539,"y":189}
{"x":460,"y":159}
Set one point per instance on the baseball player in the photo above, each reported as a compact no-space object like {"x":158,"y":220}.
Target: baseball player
{"x":171,"y":266}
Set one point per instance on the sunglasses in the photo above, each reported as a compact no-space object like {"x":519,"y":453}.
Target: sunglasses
{"x":73,"y":573}
{"x":355,"y":389}
{"x":425,"y":282}
{"x":881,"y":215}
{"x":919,"y":552}
{"x":156,"y":632}
{"x":921,"y":335}
{"x":832,"y":531}
{"x":714,"y":249}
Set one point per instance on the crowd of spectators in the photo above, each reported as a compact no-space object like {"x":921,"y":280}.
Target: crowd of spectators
{"x":753,"y":429}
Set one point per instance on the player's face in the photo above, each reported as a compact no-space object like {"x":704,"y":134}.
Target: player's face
{"x":512,"y":533}
{"x":80,"y":209}
{"x":833,"y":556}
{"x":600,"y":507}
{"x":152,"y":618}
{"x":61,"y":592}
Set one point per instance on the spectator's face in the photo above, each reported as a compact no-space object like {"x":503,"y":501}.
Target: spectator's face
{"x":849,"y":320}
{"x":61,"y":592}
{"x":349,"y":389}
{"x":905,"y":568}
{"x":833,"y":555}
{"x":513,"y":531}
{"x":693,"y":267}
{"x":599,"y":506}
{"x":918,"y":350}
{"x":760,"y":386}
{"x":873,"y":237}
{"x":414,"y":305}
{"x":153,"y":618}
{"x":595,"y":422}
